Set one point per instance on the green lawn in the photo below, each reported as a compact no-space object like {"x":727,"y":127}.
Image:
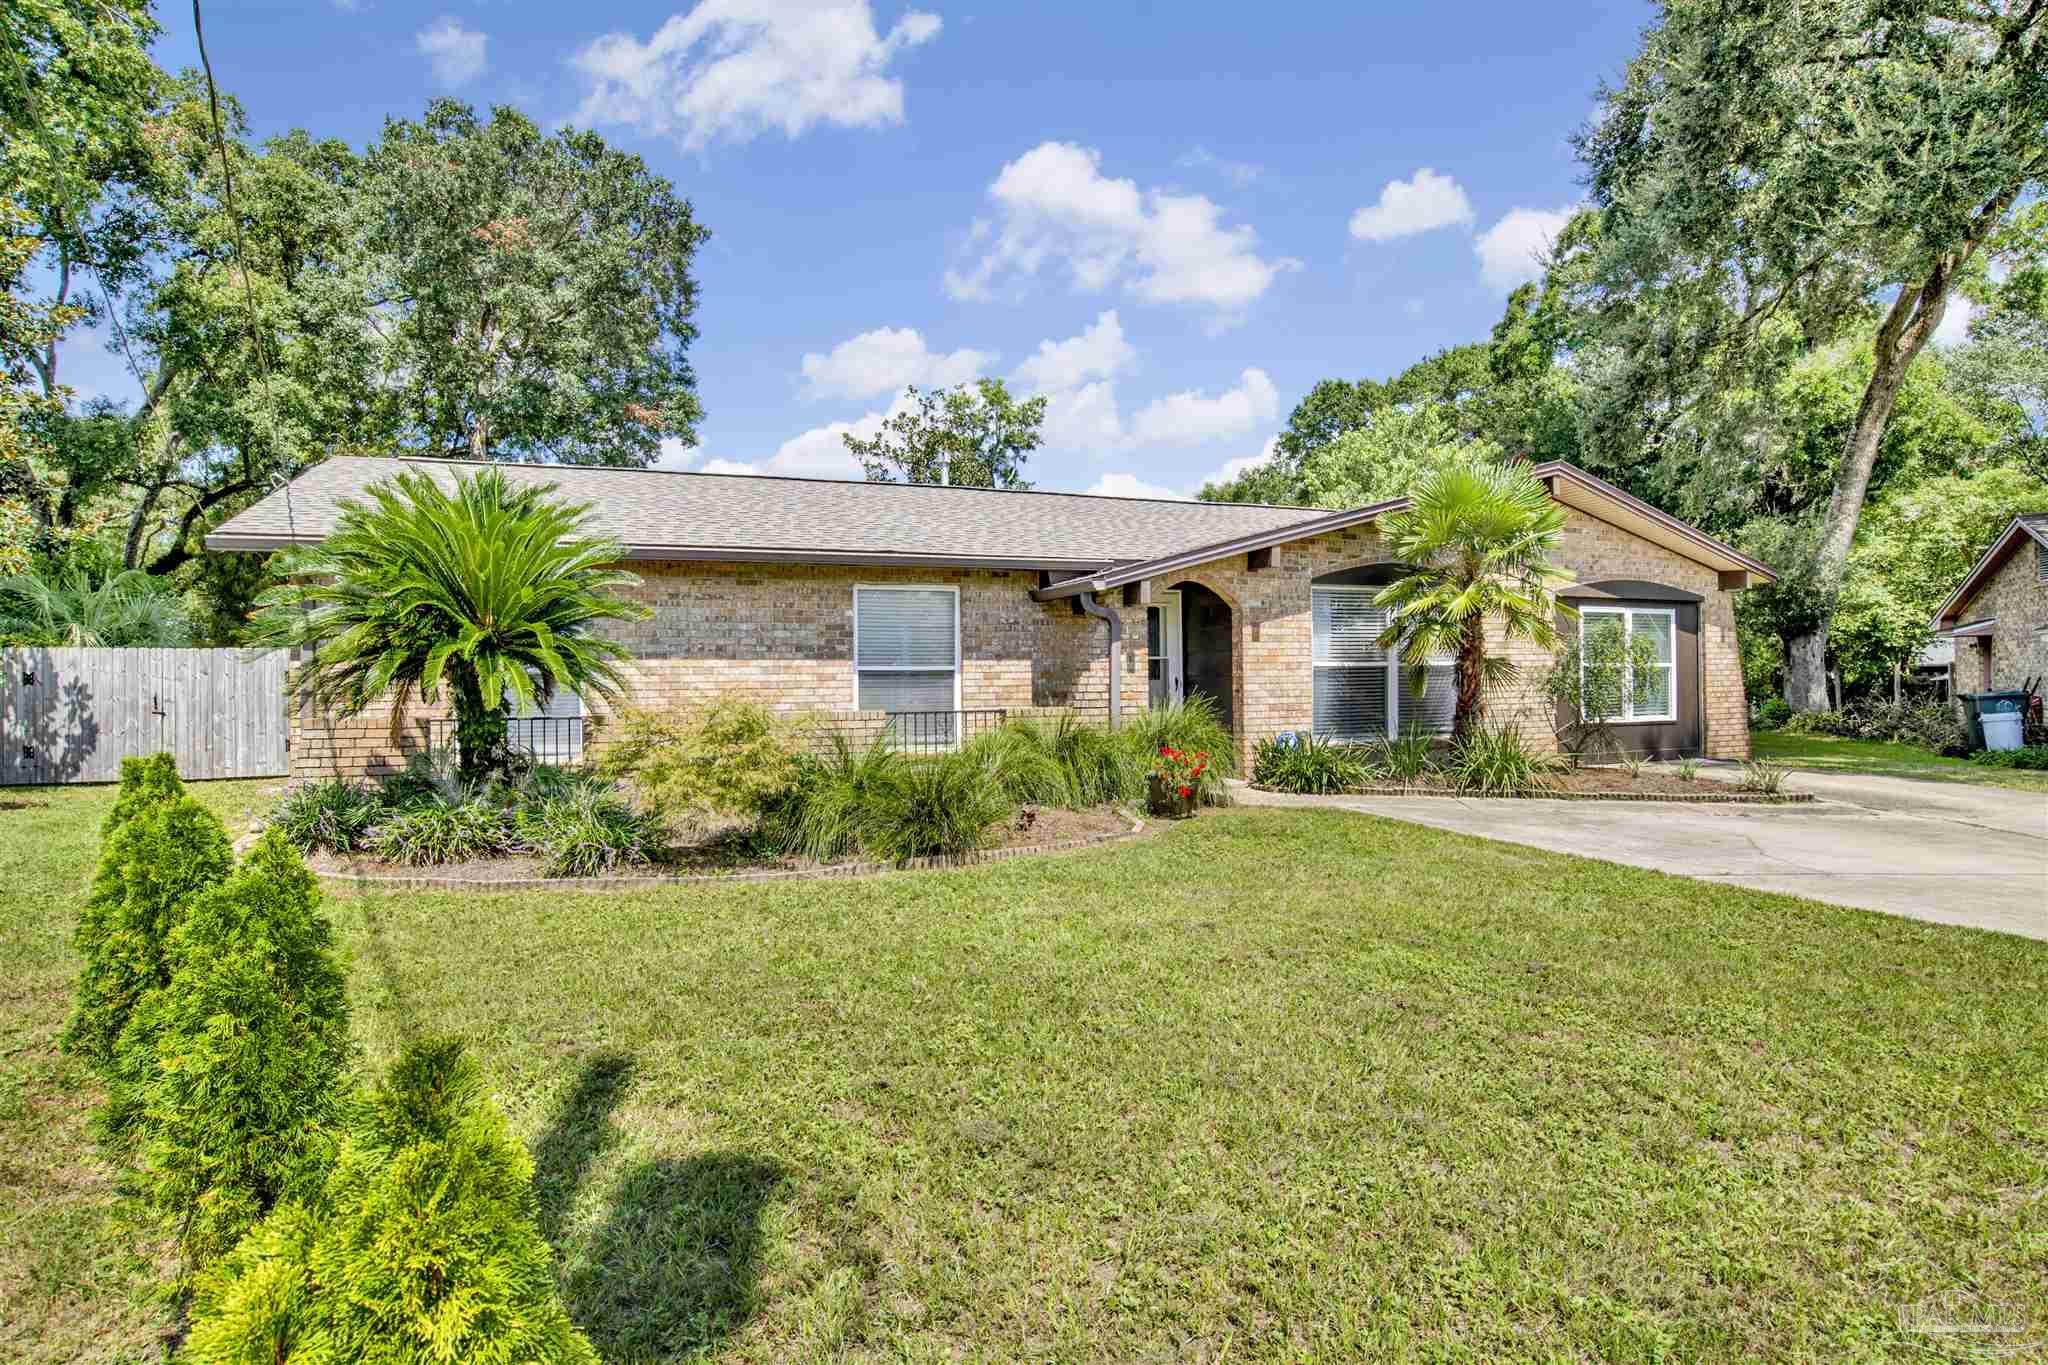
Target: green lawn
{"x":1268,"y":1085}
{"x":1825,"y":753}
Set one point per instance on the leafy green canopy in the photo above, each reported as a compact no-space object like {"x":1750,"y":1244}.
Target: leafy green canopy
{"x":423,"y":1246}
{"x":236,"y":1071}
{"x":1478,"y":540}
{"x":150,"y":869}
{"x":491,"y":592}
{"x":973,"y":436}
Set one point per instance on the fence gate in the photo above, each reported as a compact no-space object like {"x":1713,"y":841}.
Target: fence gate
{"x":72,"y":715}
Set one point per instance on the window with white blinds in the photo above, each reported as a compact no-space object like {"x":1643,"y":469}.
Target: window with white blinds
{"x":1649,"y":687}
{"x":1361,"y":690}
{"x":906,"y":649}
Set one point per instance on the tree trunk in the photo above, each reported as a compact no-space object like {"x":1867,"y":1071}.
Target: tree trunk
{"x":1906,"y":328}
{"x":1471,"y":658}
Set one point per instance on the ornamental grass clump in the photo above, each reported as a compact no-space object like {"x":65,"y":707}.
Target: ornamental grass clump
{"x":233,"y":1075}
{"x":422,"y":1246}
{"x":1406,"y":758}
{"x":1497,"y":761}
{"x":1309,"y":766}
{"x":1193,"y":725}
{"x":1019,"y":759}
{"x":587,"y":832}
{"x":933,"y":807}
{"x":428,"y":833}
{"x":335,"y":815}
{"x":823,"y":816}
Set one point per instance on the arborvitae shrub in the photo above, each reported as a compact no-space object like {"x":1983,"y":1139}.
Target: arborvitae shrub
{"x":150,"y":869}
{"x":423,"y":1246}
{"x":234,"y":1074}
{"x":144,"y":783}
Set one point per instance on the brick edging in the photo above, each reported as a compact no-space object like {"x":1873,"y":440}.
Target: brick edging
{"x":359,"y":881}
{"x":1540,"y":794}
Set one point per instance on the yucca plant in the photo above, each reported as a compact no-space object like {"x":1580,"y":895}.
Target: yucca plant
{"x":1308,"y":766}
{"x":491,"y":593}
{"x":1479,"y":539}
{"x":1403,"y":758}
{"x":1497,"y":761}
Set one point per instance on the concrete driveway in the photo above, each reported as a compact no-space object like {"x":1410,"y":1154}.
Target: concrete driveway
{"x":1935,"y":851}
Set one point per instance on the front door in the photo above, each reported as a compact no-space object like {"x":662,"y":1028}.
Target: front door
{"x":1162,"y":648}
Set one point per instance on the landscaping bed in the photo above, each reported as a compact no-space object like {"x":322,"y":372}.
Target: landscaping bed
{"x":732,"y":855}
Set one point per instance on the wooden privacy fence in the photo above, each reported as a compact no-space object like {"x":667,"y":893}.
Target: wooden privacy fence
{"x":72,"y":715}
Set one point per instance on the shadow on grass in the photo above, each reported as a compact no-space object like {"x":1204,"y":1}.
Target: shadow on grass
{"x":580,"y":1132}
{"x":675,"y":1268}
{"x":404,"y":1017}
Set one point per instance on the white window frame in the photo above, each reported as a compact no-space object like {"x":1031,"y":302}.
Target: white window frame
{"x":1628,"y":617}
{"x":857,"y":670}
{"x":1390,"y":663}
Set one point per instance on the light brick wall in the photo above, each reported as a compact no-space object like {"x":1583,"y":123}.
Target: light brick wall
{"x":1272,"y":646}
{"x":2018,"y":644}
{"x":782,"y":635}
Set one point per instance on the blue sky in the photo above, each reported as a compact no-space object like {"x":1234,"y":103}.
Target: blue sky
{"x":1170,"y":218}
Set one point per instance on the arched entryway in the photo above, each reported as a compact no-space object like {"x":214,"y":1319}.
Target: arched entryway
{"x":1205,"y":647}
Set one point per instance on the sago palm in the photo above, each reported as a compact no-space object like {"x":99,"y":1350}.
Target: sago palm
{"x":490,"y":593}
{"x":1478,"y":540}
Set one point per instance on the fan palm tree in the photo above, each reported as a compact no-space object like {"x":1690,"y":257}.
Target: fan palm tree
{"x":488,"y":591}
{"x":1479,"y":538}
{"x":124,"y":610}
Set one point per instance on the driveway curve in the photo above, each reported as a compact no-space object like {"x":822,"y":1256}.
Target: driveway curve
{"x":1940,"y":852}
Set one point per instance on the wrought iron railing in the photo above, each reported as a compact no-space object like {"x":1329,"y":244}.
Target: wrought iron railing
{"x":924,"y":732}
{"x":556,"y":740}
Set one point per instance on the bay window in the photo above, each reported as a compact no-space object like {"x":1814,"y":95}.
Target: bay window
{"x":1361,"y":690}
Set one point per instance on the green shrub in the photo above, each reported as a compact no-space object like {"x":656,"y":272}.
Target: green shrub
{"x":335,"y":815}
{"x":1310,"y":766}
{"x":1406,"y":758}
{"x":428,"y":834}
{"x":733,"y":758}
{"x":1496,"y":760}
{"x":1020,"y":759}
{"x":423,"y":1246}
{"x":588,"y":832}
{"x":1689,"y":770}
{"x":1772,"y":713}
{"x":1099,"y":770}
{"x":150,"y":869}
{"x":930,"y":807}
{"x":145,"y":782}
{"x":2031,"y":756}
{"x":1765,"y":779}
{"x":1192,"y":726}
{"x":235,"y":1072}
{"x":823,"y":814}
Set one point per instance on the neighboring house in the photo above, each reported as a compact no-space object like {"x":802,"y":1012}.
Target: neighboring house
{"x":929,"y":609}
{"x":1998,"y":614}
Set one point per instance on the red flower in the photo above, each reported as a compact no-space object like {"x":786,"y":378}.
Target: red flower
{"x":1187,"y":791}
{"x":1166,"y":750}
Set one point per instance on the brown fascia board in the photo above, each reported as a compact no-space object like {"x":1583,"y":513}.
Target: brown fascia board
{"x":1115,"y":576}
{"x":1988,"y":563}
{"x":1571,"y":473}
{"x":258,"y":544}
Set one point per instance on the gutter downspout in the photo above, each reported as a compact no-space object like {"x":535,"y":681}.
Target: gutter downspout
{"x":1115,"y":621}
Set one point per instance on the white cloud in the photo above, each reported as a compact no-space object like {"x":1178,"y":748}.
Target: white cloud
{"x":1406,"y":207}
{"x":883,"y":361}
{"x":1085,"y":419}
{"x":1232,"y":468}
{"x":1099,"y":352}
{"x":1121,"y":485}
{"x":1511,"y":251}
{"x":1190,"y":418}
{"x":734,"y":69}
{"x":1955,"y":323}
{"x":1055,"y":207}
{"x":455,"y":53}
{"x":1238,"y":173}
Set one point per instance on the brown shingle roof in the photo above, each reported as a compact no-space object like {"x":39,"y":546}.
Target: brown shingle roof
{"x":2027,"y":526}
{"x":657,"y":514}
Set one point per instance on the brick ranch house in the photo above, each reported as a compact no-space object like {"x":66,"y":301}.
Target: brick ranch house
{"x":942,"y":606}
{"x":1998,"y":614}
